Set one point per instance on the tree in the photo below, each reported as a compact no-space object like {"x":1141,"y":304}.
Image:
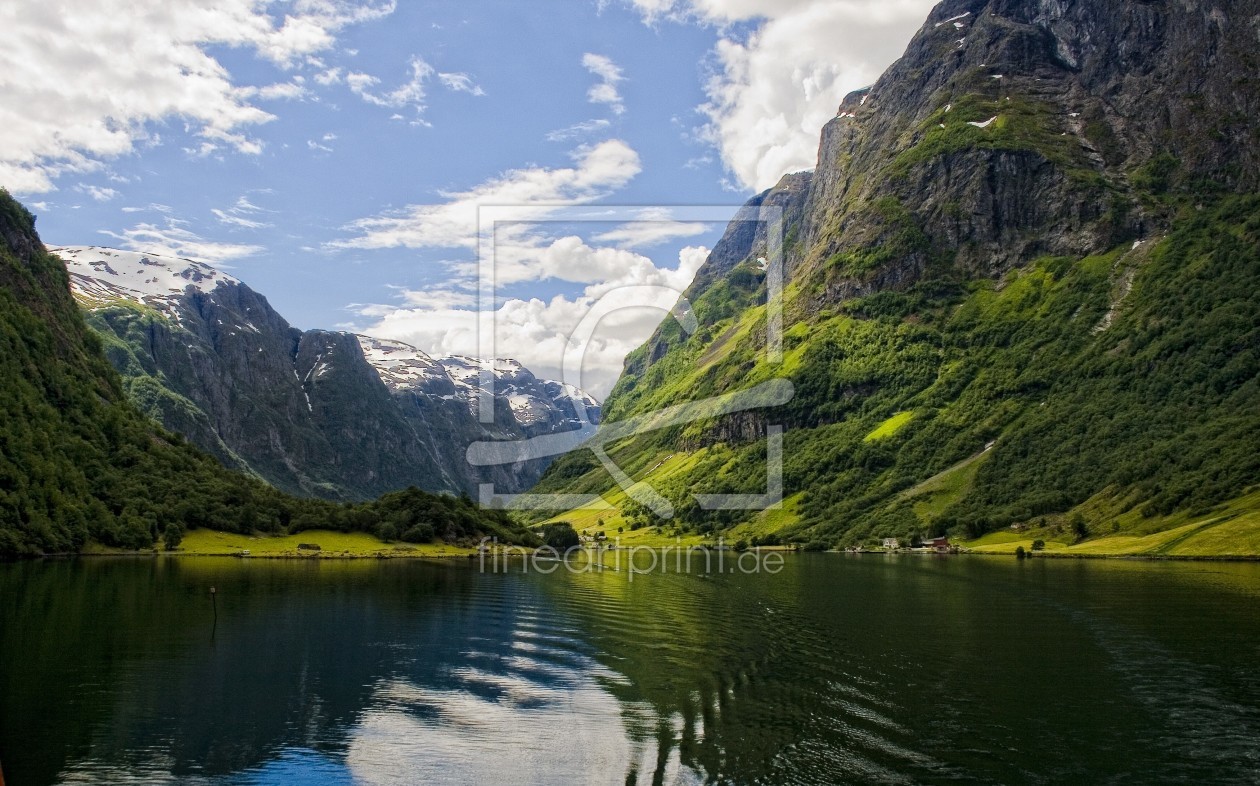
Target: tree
{"x":1079,"y":528}
{"x":1038,"y":545}
{"x":420,"y":533}
{"x":387,"y":532}
{"x":172,"y":537}
{"x":560,"y":536}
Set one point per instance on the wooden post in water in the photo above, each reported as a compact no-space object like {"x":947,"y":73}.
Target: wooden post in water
{"x":213,"y":603}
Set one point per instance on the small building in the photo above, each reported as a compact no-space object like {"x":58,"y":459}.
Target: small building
{"x":939,"y":545}
{"x":891,"y":544}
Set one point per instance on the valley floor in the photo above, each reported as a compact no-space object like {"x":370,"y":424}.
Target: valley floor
{"x":332,"y":545}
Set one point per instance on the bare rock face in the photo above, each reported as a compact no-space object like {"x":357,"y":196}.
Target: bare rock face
{"x":1011,"y":129}
{"x":317,"y":413}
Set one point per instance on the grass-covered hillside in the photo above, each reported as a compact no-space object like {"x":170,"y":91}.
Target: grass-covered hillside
{"x":1022,"y":296}
{"x":79,"y":464}
{"x":1126,"y":381}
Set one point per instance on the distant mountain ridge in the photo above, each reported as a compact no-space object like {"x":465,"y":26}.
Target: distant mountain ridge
{"x":319,"y":413}
{"x":80,"y":464}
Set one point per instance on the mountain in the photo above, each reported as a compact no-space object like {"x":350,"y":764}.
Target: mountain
{"x":316,"y":413}
{"x":1022,"y":288}
{"x":79,"y":463}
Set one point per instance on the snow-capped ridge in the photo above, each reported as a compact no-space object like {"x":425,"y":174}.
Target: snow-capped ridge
{"x":100,"y":274}
{"x":532,"y":401}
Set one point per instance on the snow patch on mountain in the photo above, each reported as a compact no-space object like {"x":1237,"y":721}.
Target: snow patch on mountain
{"x":100,"y":275}
{"x":532,"y":401}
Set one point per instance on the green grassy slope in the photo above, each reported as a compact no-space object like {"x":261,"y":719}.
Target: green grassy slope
{"x":1133,"y":374}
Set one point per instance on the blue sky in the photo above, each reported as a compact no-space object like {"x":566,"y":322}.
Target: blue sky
{"x":332,"y":153}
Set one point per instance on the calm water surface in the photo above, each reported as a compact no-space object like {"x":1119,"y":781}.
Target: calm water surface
{"x":839,"y":669}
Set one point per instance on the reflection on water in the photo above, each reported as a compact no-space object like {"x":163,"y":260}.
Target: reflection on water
{"x":839,"y":669}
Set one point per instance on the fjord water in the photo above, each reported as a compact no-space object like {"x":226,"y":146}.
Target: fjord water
{"x":839,"y":669}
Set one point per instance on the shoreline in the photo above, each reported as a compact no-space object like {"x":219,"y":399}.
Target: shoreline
{"x":1135,"y":557}
{"x":402,"y":555}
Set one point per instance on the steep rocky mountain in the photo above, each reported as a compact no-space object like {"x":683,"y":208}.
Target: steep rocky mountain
{"x":1021,"y":289}
{"x":314,"y":412}
{"x":79,"y":463}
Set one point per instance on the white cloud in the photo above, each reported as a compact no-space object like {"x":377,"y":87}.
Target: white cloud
{"x":285,"y":91}
{"x":605,"y":92}
{"x":597,"y":171}
{"x":174,"y":240}
{"x":653,"y":225}
{"x":96,"y":192}
{"x":153,"y":207}
{"x":538,"y":332}
{"x":411,"y":93}
{"x":774,"y":89}
{"x":237,"y":215}
{"x":578,"y":130}
{"x":461,"y":83}
{"x":226,"y":217}
{"x":85,"y":80}
{"x":330,"y":76}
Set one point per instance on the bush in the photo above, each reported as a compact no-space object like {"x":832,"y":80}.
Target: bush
{"x":560,"y":536}
{"x":420,"y":533}
{"x":1038,"y":545}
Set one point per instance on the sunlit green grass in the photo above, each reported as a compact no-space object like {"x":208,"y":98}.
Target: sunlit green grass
{"x":1230,"y":530}
{"x":889,"y":427}
{"x":332,"y":544}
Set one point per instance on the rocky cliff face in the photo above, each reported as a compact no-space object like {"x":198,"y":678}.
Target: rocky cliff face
{"x":316,"y":413}
{"x":998,"y":246}
{"x":1015,"y":129}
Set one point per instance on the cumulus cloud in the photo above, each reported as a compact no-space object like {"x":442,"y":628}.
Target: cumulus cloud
{"x":774,"y":88}
{"x":597,"y":171}
{"x":85,"y":80}
{"x":176,"y":241}
{"x":609,"y":73}
{"x":538,"y":332}
{"x":330,"y":76}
